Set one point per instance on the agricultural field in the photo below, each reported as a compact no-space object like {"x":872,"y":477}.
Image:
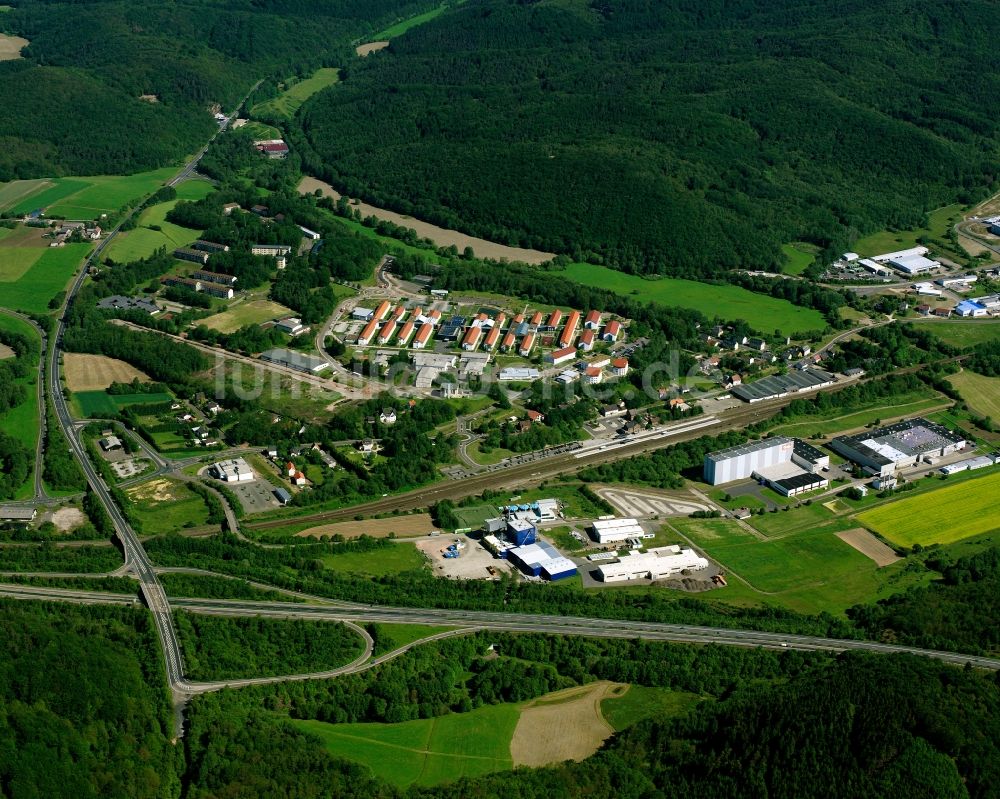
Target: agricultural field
{"x":167,"y":506}
{"x":143,"y":241}
{"x":100,"y":404}
{"x":942,"y":516}
{"x":85,"y":372}
{"x":564,"y":725}
{"x":20,"y":248}
{"x":631,"y":704}
{"x":46,"y":275}
{"x":726,"y":302}
{"x":396,"y":559}
{"x":938,"y":223}
{"x":426,"y":751}
{"x":963,"y":334}
{"x":980,"y":392}
{"x":10,"y":47}
{"x":289,"y":101}
{"x":809,"y":571}
{"x":83,"y":198}
{"x":247,"y":313}
{"x":798,"y":257}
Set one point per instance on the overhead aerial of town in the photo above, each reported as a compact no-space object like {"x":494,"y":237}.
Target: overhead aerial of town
{"x":425,"y":399}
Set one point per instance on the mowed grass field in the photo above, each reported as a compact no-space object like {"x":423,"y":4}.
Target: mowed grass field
{"x":634,"y":703}
{"x":100,"y":404}
{"x":246,"y":313}
{"x":426,"y":751}
{"x":980,"y":392}
{"x":291,"y":100}
{"x":402,"y":27}
{"x":910,"y":403}
{"x":798,"y":257}
{"x":938,"y":223}
{"x":942,"y":516}
{"x":20,"y":248}
{"x":965,"y":333}
{"x":809,"y":571}
{"x":21,"y":422}
{"x":143,"y":241}
{"x":396,"y":559}
{"x":726,"y":302}
{"x":81,"y":197}
{"x":47,"y":274}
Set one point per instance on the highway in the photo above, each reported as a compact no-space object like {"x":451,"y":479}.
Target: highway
{"x":470,"y":620}
{"x":137,"y":562}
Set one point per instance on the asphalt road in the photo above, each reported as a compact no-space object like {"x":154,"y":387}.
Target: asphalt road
{"x":494,"y":621}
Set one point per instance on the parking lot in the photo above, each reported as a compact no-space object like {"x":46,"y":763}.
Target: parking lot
{"x":255,"y":497}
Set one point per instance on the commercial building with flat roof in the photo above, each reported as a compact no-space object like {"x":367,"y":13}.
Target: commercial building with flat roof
{"x":782,"y":385}
{"x":739,"y":463}
{"x":236,"y":470}
{"x":899,"y":445}
{"x":654,"y":564}
{"x":809,"y":457}
{"x":294,"y":360}
{"x":613,"y":531}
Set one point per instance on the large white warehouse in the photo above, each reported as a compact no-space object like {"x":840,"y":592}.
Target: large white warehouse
{"x":654,"y":564}
{"x":739,"y":463}
{"x":613,"y":531}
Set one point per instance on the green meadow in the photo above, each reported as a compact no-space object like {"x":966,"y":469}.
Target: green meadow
{"x":402,"y":27}
{"x":100,"y":404}
{"x":426,"y":751}
{"x":85,"y":197}
{"x":938,"y":223}
{"x":289,"y":101}
{"x":725,"y":302}
{"x":143,"y":240}
{"x":47,"y":274}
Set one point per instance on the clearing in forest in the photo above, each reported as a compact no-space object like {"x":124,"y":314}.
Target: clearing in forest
{"x":565,"y":725}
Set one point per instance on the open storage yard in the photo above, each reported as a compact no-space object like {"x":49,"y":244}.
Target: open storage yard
{"x":943,"y":516}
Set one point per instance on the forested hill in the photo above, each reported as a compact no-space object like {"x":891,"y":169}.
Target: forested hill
{"x":669,"y":135}
{"x":72,"y":105}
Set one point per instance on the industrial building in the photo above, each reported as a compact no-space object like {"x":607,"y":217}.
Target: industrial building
{"x":809,"y":457}
{"x":654,"y":564}
{"x":541,"y":560}
{"x":739,"y":463}
{"x":521,"y":532}
{"x":292,"y":326}
{"x":782,"y":385}
{"x":12,"y":514}
{"x":968,"y":465}
{"x":236,"y":470}
{"x":614,"y":531}
{"x":120,"y":303}
{"x":794,"y":484}
{"x":294,"y":360}
{"x":880,"y":452}
{"x":209,"y":246}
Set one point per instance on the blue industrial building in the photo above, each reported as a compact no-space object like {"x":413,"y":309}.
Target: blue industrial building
{"x":542,"y":560}
{"x":521,"y":532}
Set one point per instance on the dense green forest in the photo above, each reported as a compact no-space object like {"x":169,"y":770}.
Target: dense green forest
{"x":84,"y":710}
{"x":669,"y":136}
{"x":223,"y":648}
{"x":72,"y":105}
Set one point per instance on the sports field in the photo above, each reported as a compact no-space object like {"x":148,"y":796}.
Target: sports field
{"x":965,"y":333}
{"x":46,"y":275}
{"x":980,"y":392}
{"x":81,"y":197}
{"x":426,"y":751}
{"x":246,"y":313}
{"x":143,"y":241}
{"x":765,"y":314}
{"x":942,"y":516}
{"x":289,"y":101}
